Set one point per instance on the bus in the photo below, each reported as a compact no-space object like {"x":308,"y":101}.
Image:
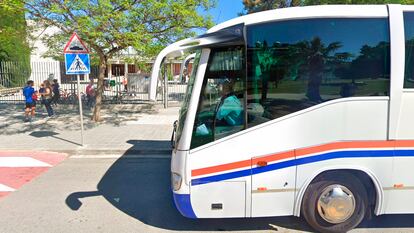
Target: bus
{"x":303,"y":111}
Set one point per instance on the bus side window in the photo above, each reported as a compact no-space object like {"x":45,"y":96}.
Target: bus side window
{"x":296,"y":64}
{"x":409,"y":49}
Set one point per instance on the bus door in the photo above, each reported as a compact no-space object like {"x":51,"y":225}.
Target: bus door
{"x":218,"y":182}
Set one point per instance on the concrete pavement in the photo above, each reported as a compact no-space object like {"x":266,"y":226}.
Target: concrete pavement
{"x":131,"y":195}
{"x":124,"y":128}
{"x":112,"y":195}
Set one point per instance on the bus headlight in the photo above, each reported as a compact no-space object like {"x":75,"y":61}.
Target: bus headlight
{"x":176,"y":181}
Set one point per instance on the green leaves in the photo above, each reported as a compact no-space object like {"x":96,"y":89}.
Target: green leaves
{"x":13,"y":43}
{"x":252,"y":6}
{"x":14,"y":48}
{"x":109,"y":26}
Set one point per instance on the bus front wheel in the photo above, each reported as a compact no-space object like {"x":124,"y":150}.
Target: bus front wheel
{"x":335,"y":204}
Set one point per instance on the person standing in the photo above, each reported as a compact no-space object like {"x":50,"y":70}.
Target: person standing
{"x":56,"y":92}
{"x":125,"y":83}
{"x":42,"y":90}
{"x":28,"y":92}
{"x":90,"y":94}
{"x":47,"y":96}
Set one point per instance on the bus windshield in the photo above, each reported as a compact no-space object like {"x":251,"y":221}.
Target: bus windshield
{"x":184,"y":106}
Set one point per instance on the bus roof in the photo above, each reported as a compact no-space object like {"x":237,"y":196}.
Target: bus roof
{"x":233,"y":29}
{"x":306,"y":12}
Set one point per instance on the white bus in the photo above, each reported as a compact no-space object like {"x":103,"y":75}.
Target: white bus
{"x":305,"y":111}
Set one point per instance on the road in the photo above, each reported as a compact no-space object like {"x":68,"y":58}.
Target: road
{"x":129,"y":194}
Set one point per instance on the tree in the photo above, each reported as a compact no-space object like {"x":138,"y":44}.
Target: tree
{"x":14,"y":48}
{"x":370,"y":62}
{"x":324,"y":2}
{"x":13,"y":43}
{"x":110,"y":26}
{"x":252,"y":6}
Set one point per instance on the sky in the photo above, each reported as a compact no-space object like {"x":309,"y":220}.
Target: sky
{"x":225,"y":10}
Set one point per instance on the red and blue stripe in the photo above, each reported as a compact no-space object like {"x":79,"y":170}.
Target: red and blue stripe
{"x":297,"y":157}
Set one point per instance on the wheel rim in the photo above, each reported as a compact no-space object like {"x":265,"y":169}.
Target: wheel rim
{"x":336,"y":204}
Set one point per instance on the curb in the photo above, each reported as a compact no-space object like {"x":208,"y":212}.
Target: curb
{"x":98,"y":152}
{"x":115,"y":152}
{"x":123,"y":157}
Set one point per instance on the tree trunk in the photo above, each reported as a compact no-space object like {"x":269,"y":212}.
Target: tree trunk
{"x":97,"y":110}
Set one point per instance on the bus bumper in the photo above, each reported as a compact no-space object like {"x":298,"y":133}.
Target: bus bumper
{"x":183,"y":204}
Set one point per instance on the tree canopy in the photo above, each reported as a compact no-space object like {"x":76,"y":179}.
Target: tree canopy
{"x":110,"y":26}
{"x":252,"y":6}
{"x":13,"y":43}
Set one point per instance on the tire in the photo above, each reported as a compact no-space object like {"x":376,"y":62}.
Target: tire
{"x":319,"y":189}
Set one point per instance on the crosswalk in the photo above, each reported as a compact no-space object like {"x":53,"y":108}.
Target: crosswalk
{"x":4,"y":188}
{"x":20,"y":167}
{"x":21,"y":162}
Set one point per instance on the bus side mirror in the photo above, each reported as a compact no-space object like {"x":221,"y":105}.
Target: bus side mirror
{"x":173,"y":134}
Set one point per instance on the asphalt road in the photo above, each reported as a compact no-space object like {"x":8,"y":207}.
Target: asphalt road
{"x":130,"y":194}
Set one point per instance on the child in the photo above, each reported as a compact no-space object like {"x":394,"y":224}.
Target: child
{"x":28,"y":92}
{"x":42,"y":90}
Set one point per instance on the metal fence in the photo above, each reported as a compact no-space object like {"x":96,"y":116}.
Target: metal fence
{"x":13,"y":79}
{"x":13,"y":76}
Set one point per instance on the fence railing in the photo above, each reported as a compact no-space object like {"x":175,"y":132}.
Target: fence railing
{"x":115,"y":92}
{"x":13,"y":74}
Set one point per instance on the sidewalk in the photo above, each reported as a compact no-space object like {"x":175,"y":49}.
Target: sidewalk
{"x":126,"y":129}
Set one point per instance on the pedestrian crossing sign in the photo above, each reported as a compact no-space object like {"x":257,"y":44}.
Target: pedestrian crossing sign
{"x":77,"y":63}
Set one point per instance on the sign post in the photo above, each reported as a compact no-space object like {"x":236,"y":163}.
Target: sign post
{"x":77,"y":62}
{"x":80,"y":108}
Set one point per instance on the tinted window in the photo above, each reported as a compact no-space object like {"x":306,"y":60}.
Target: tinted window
{"x":221,"y":106}
{"x":409,"y":49}
{"x":295,"y":64}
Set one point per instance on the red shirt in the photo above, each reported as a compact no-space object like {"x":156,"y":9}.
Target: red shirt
{"x":89,"y":89}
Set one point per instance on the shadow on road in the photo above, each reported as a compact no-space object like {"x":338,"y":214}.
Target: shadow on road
{"x":67,"y":117}
{"x":43,"y":134}
{"x":140,"y":187}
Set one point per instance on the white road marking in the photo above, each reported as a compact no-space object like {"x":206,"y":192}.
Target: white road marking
{"x":154,"y":120}
{"x":4,"y":188}
{"x":21,"y":162}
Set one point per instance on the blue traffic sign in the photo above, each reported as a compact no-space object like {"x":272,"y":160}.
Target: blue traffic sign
{"x":77,"y":63}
